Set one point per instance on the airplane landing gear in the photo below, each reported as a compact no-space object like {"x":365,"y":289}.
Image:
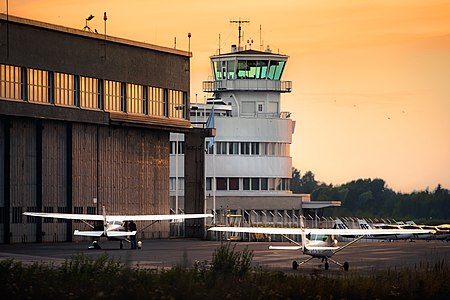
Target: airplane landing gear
{"x":121,"y":245}
{"x":294,"y":265}
{"x":95,"y":246}
{"x":327,"y":265}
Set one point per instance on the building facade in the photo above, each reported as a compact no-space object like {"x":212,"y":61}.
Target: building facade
{"x":84,"y":123}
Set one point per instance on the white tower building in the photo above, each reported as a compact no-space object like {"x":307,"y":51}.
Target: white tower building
{"x":248,"y":166}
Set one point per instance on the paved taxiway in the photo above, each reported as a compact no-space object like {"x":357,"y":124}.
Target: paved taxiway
{"x":171,"y":252}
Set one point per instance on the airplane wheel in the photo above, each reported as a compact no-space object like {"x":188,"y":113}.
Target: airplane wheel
{"x":294,"y":265}
{"x":327,"y":266}
{"x":121,"y":245}
{"x":346,"y":266}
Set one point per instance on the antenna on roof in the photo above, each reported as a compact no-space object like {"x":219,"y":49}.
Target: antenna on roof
{"x":260,"y":38}
{"x":239,"y":22}
{"x":86,"y":27}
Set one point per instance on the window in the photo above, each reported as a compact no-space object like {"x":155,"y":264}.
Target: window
{"x":246,"y":184}
{"x":275,"y":70}
{"x":233,"y":148}
{"x":155,"y":101}
{"x":260,"y":107}
{"x":30,"y":220}
{"x":63,"y":89}
{"x":89,"y":92}
{"x":77,"y":210}
{"x":255,"y":184}
{"x":113,"y":96}
{"x":10,"y":82}
{"x":172,"y":181}
{"x":17,"y":215}
{"x":135,"y":98}
{"x":38,"y":86}
{"x":176,"y":104}
{"x":208,"y":183}
{"x":209,"y":150}
{"x":264,"y":184}
{"x":245,"y":148}
{"x":271,"y":149}
{"x":255,"y":148}
{"x":63,"y":210}
{"x":233,"y":184}
{"x":221,"y":148}
{"x":48,"y":209}
{"x":221,"y":184}
{"x":173,"y":149}
{"x":230,"y":69}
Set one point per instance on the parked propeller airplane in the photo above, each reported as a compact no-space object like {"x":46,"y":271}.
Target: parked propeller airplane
{"x":320,"y":244}
{"x":113,"y":225}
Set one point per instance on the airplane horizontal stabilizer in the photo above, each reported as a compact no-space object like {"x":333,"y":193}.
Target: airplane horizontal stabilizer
{"x":88,"y":233}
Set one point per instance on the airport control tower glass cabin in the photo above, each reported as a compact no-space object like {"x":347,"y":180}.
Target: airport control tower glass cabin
{"x":249,"y":165}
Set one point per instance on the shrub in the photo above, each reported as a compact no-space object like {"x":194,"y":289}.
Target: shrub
{"x":227,"y":261}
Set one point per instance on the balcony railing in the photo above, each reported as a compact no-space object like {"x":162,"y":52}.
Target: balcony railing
{"x":247,"y":85}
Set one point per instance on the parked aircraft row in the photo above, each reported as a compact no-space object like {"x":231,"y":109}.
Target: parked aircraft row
{"x":320,"y":243}
{"x":315,"y":242}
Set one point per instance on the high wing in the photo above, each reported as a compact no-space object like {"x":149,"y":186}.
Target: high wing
{"x":85,"y":217}
{"x":157,"y":217}
{"x":109,"y":218}
{"x":318,"y":231}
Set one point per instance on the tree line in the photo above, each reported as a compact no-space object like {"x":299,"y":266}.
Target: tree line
{"x":372,"y":198}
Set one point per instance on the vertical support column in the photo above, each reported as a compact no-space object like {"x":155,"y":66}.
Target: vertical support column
{"x":194,"y":179}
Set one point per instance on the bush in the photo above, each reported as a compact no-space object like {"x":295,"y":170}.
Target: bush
{"x":227,"y":261}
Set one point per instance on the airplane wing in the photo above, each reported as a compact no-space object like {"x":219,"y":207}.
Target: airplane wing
{"x":65,"y":216}
{"x":157,"y":217}
{"x":318,"y":231}
{"x":87,"y":217}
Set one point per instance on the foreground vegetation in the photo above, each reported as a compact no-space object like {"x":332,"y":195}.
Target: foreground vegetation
{"x":228,"y":276}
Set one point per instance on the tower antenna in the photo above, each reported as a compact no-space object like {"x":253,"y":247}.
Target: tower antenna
{"x":260,"y":38}
{"x":239,"y":22}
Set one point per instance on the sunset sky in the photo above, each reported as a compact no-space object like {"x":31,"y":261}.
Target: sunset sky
{"x":371,"y":79}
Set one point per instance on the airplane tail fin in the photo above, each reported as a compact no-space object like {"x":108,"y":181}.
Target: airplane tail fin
{"x":339,"y":224}
{"x":363,"y":224}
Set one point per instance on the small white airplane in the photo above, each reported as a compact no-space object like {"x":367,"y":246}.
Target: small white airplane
{"x":315,"y":242}
{"x":113,"y":225}
{"x":394,"y":235}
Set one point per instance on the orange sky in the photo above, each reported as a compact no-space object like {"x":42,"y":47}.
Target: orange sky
{"x":371,"y":79}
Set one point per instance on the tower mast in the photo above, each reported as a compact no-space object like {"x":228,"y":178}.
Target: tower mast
{"x":239,"y":22}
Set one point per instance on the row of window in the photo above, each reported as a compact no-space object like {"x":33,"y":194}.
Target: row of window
{"x":17,"y":214}
{"x":239,"y":184}
{"x":239,"y":148}
{"x":41,"y":86}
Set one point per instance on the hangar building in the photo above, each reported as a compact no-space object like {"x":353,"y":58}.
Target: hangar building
{"x":84,"y":123}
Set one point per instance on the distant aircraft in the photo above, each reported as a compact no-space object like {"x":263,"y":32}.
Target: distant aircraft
{"x":113,"y":225}
{"x":315,"y":242}
{"x":395,"y":235}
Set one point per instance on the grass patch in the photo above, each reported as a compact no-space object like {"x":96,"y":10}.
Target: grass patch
{"x":227,"y":276}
